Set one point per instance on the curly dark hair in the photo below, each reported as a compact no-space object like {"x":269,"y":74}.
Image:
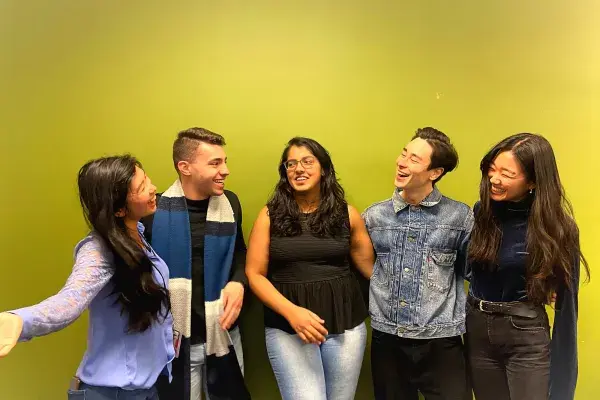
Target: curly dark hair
{"x":331,"y":216}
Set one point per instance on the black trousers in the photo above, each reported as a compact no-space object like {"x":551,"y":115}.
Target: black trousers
{"x":403,"y":367}
{"x":508,"y":356}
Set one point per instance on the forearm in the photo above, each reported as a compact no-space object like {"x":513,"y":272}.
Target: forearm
{"x":61,"y":310}
{"x":269,"y":295}
{"x":90,"y":274}
{"x":364,"y":265}
{"x":40,"y":320}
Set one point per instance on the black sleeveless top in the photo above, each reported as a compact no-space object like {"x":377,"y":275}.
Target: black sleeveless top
{"x":314,"y":273}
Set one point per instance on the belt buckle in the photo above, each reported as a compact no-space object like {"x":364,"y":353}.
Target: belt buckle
{"x":481,"y":306}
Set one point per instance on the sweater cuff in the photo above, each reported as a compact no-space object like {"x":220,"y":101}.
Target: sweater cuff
{"x":27,"y":317}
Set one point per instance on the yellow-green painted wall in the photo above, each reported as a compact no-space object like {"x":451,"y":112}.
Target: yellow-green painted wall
{"x":80,"y":79}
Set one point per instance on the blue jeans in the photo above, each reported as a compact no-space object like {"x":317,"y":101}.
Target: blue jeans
{"x":198,"y":364}
{"x":88,"y":392}
{"x":317,"y":372}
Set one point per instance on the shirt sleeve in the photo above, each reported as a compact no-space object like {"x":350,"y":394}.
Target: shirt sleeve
{"x":468,"y":269}
{"x":90,"y":274}
{"x":563,"y":348}
{"x":238,"y":267}
{"x":463,"y":250}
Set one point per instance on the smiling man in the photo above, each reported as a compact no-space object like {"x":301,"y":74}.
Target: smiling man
{"x":197,"y":231}
{"x":417,"y":297}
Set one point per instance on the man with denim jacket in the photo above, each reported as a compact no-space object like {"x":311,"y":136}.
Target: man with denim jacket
{"x":417,"y":296}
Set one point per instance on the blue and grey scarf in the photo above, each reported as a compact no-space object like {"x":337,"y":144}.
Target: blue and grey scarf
{"x":171,"y":239}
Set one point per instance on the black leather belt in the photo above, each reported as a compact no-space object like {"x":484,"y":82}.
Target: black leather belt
{"x":516,"y":308}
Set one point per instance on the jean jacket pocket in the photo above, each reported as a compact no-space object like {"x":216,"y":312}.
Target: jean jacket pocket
{"x":440,"y":269}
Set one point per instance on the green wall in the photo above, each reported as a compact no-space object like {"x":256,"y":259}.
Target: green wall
{"x":80,"y":79}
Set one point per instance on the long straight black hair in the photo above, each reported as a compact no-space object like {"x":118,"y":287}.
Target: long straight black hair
{"x":331,"y":216}
{"x":552,"y":234}
{"x":103,"y":187}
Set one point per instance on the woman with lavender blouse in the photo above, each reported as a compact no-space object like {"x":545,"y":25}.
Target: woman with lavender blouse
{"x":123,"y":283}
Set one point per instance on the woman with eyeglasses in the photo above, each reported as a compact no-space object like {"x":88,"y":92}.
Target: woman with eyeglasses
{"x":301,"y":252}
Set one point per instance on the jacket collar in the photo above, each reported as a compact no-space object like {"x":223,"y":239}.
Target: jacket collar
{"x":431,"y":200}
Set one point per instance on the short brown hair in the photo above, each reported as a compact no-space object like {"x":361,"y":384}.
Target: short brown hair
{"x":188,"y":141}
{"x":444,"y":154}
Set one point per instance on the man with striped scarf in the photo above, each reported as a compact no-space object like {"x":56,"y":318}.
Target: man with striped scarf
{"x":197,"y":231}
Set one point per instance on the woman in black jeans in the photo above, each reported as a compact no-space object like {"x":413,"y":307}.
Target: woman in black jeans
{"x":524,"y":249}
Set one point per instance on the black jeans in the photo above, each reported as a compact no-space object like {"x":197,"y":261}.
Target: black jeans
{"x":403,"y":367}
{"x":508,"y":356}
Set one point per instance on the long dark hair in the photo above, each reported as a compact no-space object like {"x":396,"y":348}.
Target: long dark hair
{"x":331,"y":216}
{"x":103,"y":187}
{"x":552,"y":234}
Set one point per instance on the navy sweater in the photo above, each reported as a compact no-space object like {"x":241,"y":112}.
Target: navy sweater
{"x":508,"y":283}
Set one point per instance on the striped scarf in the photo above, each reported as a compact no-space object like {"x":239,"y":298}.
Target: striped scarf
{"x":171,"y":239}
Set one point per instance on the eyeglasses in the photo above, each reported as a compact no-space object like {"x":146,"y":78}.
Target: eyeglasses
{"x":307,"y":162}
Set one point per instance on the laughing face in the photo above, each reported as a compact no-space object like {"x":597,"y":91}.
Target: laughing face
{"x":303,"y":169}
{"x":141,"y":200}
{"x":207,"y":170}
{"x":508,"y":181}
{"x":412,"y":166}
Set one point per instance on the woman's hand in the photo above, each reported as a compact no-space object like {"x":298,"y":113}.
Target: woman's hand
{"x":11,"y":326}
{"x":308,"y":325}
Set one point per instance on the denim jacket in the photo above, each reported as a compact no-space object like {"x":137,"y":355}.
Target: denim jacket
{"x":417,"y":288}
